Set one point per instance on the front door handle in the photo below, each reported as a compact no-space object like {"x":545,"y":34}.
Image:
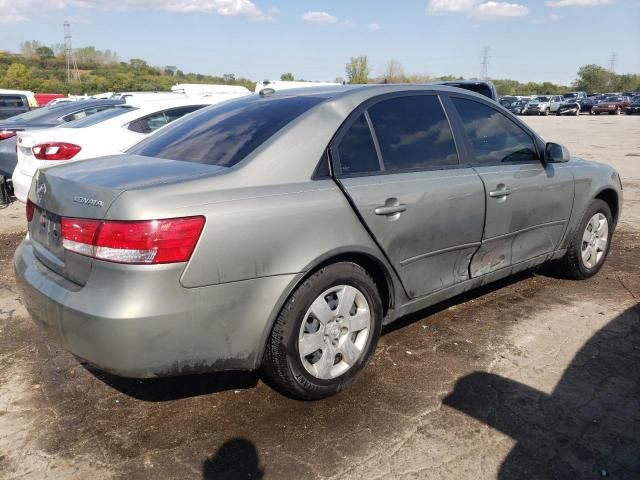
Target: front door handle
{"x":390,"y":209}
{"x":502,"y":191}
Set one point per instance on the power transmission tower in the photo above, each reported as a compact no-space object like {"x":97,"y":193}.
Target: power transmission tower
{"x":72,"y":65}
{"x":484,"y":64}
{"x":612,"y":63}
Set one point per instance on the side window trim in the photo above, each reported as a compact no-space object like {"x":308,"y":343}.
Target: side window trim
{"x":376,"y":143}
{"x":467,"y":142}
{"x":364,"y":109}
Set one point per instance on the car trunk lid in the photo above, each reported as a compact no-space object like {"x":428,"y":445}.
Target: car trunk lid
{"x":87,"y":189}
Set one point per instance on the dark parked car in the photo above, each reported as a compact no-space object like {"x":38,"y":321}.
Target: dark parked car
{"x":482,"y":87}
{"x":575,"y":106}
{"x":45,"y":117}
{"x":12,"y":105}
{"x":612,"y":105}
{"x":518,"y":107}
{"x":284,"y":230}
{"x":633,"y":108}
{"x":508,"y":100}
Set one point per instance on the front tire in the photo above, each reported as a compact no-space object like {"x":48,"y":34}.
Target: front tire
{"x":545,"y":112}
{"x":589,"y":246}
{"x":326,"y":332}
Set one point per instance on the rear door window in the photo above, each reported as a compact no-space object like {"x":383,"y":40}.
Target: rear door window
{"x":356,"y":149}
{"x":225,"y":134}
{"x":494,"y":137}
{"x":413,"y":133}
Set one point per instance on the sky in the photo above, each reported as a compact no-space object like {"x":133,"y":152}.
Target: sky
{"x":528,"y":40}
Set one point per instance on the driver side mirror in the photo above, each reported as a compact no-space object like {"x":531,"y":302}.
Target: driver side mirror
{"x":556,"y":153}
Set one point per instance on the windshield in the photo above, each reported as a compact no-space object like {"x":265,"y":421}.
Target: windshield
{"x":614,"y":99}
{"x":541,"y":99}
{"x":98,"y":117}
{"x":225,"y":134}
{"x":507,"y":100}
{"x":570,"y":96}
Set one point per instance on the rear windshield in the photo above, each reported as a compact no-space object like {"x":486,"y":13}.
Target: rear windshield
{"x":98,"y":117}
{"x":223,"y":135}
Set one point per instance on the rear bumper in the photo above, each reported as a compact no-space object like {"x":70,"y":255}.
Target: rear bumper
{"x":139,"y":322}
{"x":21,"y":184}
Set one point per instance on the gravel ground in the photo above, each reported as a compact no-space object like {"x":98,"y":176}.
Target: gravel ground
{"x":532,"y":377}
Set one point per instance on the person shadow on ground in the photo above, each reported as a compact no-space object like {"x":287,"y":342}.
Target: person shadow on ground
{"x":236,"y":458}
{"x":589,"y":427}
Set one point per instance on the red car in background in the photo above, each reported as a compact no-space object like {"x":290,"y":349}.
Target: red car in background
{"x":612,"y":105}
{"x":44,"y":98}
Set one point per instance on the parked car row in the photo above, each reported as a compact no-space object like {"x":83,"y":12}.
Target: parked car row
{"x":572,"y":103}
{"x":283,"y":229}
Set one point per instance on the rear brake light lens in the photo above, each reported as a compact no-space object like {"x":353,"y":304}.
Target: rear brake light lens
{"x":30,"y":209}
{"x":4,"y":134}
{"x":55,"y":151}
{"x":139,"y":242}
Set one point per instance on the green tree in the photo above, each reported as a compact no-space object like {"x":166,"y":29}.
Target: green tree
{"x":138,"y":63}
{"x":287,"y":77}
{"x":357,"y":69}
{"x":594,"y":78}
{"x":17,"y":77}
{"x":44,"y":52}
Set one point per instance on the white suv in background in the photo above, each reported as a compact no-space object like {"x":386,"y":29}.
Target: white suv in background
{"x":544,"y":104}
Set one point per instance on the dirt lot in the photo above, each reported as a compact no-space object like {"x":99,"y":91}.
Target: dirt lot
{"x":534,"y":377}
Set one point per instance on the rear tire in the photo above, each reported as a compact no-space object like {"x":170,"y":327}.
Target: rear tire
{"x":589,"y":246}
{"x":326,"y":332}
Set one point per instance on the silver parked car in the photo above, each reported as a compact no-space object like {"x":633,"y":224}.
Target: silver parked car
{"x":283,"y":230}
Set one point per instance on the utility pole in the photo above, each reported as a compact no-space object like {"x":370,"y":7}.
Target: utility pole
{"x":484,"y":64}
{"x":612,"y":62}
{"x":72,"y":65}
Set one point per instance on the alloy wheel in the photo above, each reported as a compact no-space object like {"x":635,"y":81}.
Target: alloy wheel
{"x":594,"y":240}
{"x":334,"y":332}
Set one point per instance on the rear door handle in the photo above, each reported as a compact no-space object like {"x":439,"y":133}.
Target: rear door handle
{"x":501,"y":192}
{"x":389,"y":210}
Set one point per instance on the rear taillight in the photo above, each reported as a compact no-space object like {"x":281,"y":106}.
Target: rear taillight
{"x":139,"y":242}
{"x":55,"y":151}
{"x":30,"y":210}
{"x":4,"y":134}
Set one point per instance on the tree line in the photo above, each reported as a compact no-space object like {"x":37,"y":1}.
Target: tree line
{"x":589,"y":78}
{"x":42,"y":68}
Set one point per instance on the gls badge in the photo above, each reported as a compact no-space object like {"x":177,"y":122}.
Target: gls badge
{"x":92,"y":202}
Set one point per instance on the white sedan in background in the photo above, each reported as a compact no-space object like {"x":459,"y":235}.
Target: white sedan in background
{"x":105,"y":133}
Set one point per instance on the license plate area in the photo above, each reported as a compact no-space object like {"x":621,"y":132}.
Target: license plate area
{"x":44,"y":229}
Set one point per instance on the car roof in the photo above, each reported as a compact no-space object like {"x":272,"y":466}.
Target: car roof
{"x":369,"y":90}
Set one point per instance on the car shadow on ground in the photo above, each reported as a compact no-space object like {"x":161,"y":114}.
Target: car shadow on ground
{"x":589,"y":427}
{"x":175,"y":388}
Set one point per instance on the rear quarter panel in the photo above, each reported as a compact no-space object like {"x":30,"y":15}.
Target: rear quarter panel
{"x":254,"y":232}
